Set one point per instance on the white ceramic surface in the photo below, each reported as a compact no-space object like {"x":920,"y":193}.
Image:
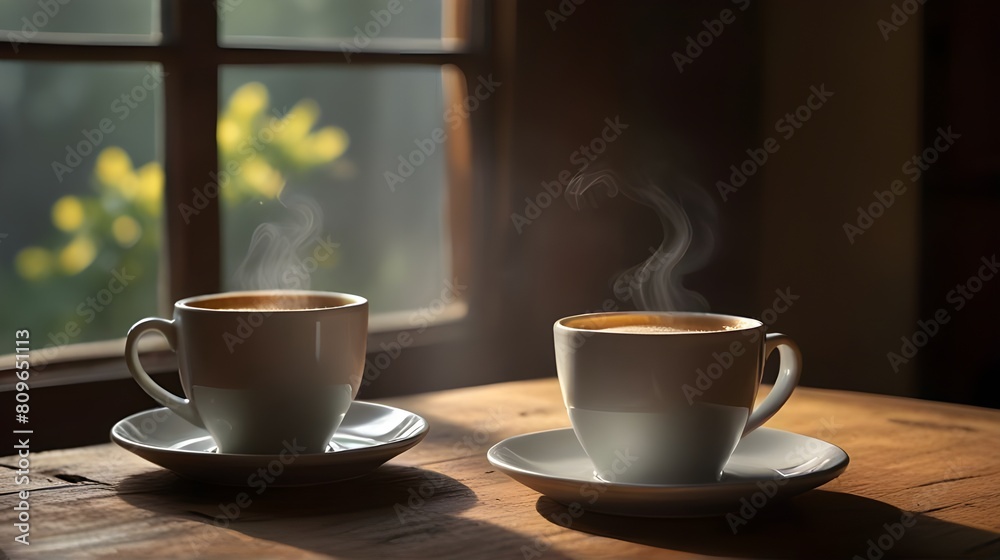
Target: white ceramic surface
{"x":369,"y":435}
{"x":678,"y":402}
{"x":255,"y":378}
{"x":768,"y":465}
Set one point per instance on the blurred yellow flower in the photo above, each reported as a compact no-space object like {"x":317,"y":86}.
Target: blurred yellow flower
{"x":264,"y":179}
{"x":298,"y":122}
{"x":112,"y":165}
{"x":33,"y":263}
{"x":328,"y":144}
{"x":149,"y":191}
{"x":247,"y":101}
{"x":126,"y":231}
{"x":78,"y":255}
{"x":67,"y":213}
{"x":128,"y":186}
{"x":228,"y":134}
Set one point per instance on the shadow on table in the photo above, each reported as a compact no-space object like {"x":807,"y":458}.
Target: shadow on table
{"x":395,"y":511}
{"x":818,"y":524}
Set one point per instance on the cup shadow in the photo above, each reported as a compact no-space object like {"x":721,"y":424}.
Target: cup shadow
{"x":393,"y":512}
{"x":817,"y":524}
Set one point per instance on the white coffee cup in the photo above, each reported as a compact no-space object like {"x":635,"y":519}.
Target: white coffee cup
{"x":262,"y":370}
{"x":664,"y":398}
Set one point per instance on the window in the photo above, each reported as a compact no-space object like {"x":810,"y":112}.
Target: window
{"x":153,"y":151}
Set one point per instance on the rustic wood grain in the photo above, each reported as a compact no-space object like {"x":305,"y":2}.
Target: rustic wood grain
{"x":443,"y":499}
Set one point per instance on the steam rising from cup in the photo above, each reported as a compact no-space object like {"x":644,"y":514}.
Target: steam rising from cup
{"x":283,"y":255}
{"x":687,"y":215}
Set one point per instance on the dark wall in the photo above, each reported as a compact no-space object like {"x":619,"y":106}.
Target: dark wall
{"x":961,"y":202}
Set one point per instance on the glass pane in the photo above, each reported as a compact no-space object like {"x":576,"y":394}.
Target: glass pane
{"x":349,"y":25}
{"x":306,"y":151}
{"x":73,"y":21}
{"x":80,"y":199}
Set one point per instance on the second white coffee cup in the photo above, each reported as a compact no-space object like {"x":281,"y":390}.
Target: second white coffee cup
{"x":664,"y":398}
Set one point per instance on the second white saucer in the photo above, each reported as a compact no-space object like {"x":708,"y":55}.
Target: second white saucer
{"x":768,"y":465}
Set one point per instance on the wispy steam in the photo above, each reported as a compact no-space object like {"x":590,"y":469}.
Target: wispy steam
{"x":687,"y":214}
{"x":275,"y":257}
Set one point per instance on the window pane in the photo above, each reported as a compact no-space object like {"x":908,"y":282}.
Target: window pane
{"x":307,"y":150}
{"x":350,"y":25}
{"x":73,"y":21}
{"x":80,"y":185}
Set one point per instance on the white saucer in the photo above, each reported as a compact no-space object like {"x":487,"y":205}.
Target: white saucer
{"x":773,"y":463}
{"x":370,"y":435}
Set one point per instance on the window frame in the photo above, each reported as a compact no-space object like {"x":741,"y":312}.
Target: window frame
{"x":192,"y":57}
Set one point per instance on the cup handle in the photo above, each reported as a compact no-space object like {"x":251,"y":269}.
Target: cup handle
{"x":789,"y":369}
{"x":182,"y":407}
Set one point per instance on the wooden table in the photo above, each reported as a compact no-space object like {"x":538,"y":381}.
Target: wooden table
{"x":443,"y":499}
